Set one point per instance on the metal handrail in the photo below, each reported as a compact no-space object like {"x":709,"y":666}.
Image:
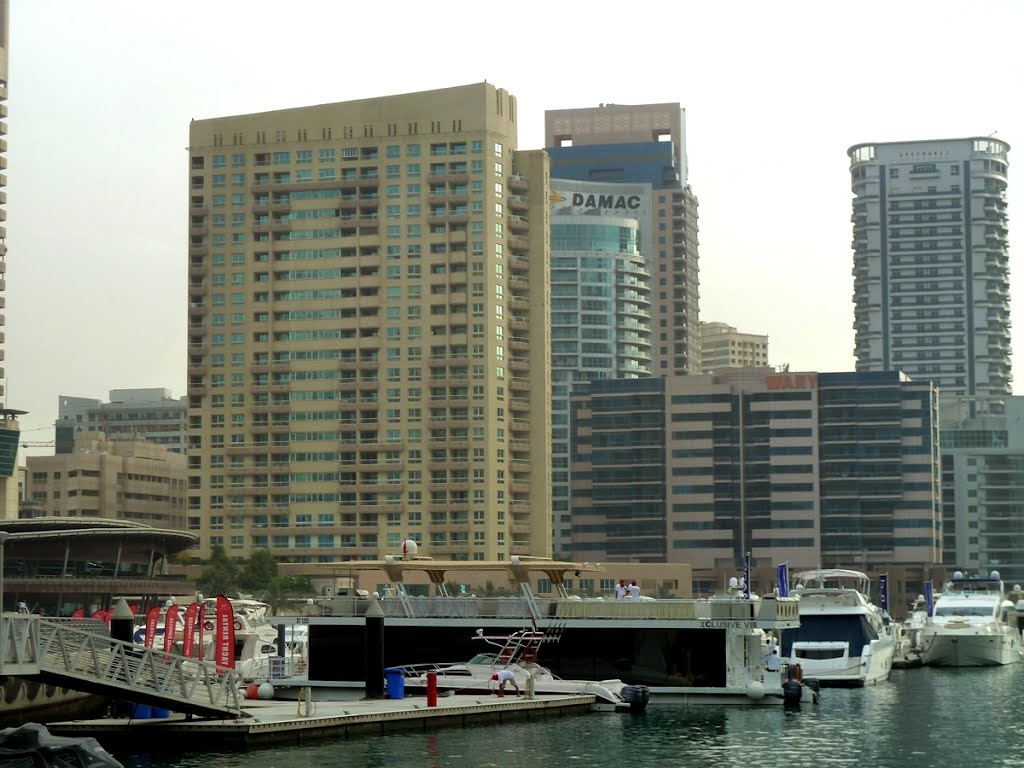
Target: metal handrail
{"x":184,"y":684}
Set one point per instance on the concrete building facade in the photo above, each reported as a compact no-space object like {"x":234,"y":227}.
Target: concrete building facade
{"x":644,"y":144}
{"x":600,"y":312}
{"x":369,"y":280}
{"x":722,"y":346}
{"x":931,"y":263}
{"x":113,"y":478}
{"x":983,"y":488}
{"x":147,"y":414}
{"x":829,"y":469}
{"x":4,"y":46}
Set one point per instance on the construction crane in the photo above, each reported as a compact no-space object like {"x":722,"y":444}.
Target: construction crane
{"x":39,"y":444}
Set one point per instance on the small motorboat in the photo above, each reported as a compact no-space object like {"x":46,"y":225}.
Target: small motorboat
{"x":517,"y":653}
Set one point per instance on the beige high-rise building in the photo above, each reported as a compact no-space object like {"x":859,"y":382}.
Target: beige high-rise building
{"x":120,"y":479}
{"x":369,"y":345}
{"x":9,"y":428}
{"x":722,"y":346}
{"x":4,"y":44}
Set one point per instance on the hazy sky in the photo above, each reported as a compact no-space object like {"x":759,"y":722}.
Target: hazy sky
{"x":101,"y":94}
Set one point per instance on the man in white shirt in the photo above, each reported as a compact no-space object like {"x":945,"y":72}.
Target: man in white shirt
{"x":620,"y":589}
{"x":505,"y":676}
{"x":634,"y":590}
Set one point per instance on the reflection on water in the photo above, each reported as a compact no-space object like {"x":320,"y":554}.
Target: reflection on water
{"x":924,"y":718}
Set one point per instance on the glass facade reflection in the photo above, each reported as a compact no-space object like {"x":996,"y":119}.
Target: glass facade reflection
{"x":600,"y":326}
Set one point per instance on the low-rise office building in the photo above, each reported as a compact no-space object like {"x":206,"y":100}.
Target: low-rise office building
{"x":809,"y":469}
{"x":119,"y":479}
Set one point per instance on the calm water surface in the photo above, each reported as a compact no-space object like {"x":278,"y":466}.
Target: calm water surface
{"x":920,"y":718}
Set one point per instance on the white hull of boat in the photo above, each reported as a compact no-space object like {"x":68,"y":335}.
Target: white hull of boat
{"x":871,"y":666}
{"x":972,"y":647}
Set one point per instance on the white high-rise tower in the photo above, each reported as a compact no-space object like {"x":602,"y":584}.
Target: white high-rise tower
{"x":930,"y":263}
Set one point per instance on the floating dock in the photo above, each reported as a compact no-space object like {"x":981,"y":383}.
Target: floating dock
{"x":276,"y":721}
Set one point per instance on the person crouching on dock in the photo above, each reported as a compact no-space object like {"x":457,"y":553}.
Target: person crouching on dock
{"x":505,"y":676}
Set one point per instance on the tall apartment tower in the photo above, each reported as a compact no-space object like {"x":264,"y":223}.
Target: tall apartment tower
{"x":722,"y":346}
{"x":930,"y":263}
{"x":600,"y":310}
{"x":4,"y":43}
{"x":9,"y":429}
{"x":645,"y":143}
{"x":369,"y":343}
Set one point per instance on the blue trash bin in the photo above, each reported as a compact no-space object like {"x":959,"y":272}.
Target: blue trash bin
{"x":394,"y":678}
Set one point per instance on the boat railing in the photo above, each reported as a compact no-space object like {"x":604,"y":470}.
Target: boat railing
{"x":768,"y":612}
{"x":277,"y":668}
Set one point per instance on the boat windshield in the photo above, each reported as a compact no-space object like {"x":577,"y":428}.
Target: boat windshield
{"x":483,"y":658}
{"x":965,"y":610}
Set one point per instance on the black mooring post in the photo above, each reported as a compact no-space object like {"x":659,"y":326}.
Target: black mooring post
{"x":374,"y":651}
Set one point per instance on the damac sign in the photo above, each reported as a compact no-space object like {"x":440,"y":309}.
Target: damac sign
{"x":615,"y":202}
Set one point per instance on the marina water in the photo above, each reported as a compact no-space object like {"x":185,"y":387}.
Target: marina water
{"x":924,"y":718}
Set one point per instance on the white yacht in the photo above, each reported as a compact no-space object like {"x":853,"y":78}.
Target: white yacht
{"x":843,"y":638}
{"x":517,"y":652}
{"x":973,"y":625}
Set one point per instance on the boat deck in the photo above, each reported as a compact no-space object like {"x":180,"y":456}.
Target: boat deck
{"x":283,"y":721}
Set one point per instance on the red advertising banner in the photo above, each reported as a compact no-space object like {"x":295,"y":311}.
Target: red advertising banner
{"x":152,"y":616}
{"x":78,"y":613}
{"x":224,"y":640}
{"x":170,"y":628}
{"x":188,"y":631}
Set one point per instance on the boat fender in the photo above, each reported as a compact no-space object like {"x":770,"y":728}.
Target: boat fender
{"x":798,"y":673}
{"x":755,"y":690}
{"x":208,"y":626}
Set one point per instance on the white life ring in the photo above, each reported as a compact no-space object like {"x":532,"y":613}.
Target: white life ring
{"x":238,"y":625}
{"x":208,"y":626}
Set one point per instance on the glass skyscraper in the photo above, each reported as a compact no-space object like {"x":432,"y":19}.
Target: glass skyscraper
{"x":600,"y":325}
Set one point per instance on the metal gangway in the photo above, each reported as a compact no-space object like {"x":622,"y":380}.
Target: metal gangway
{"x":75,"y":655}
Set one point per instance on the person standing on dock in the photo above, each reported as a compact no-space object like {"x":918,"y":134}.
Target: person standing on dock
{"x":505,"y":676}
{"x":620,"y":589}
{"x":634,"y":590}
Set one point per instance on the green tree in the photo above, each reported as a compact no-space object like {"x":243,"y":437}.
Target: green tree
{"x":220,"y":577}
{"x":259,"y":572}
{"x":281,"y":589}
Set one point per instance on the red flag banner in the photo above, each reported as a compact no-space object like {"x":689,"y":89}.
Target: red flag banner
{"x":78,"y":613}
{"x":188,"y":631}
{"x":170,"y":628}
{"x":97,"y":615}
{"x":107,"y":615}
{"x":224,"y":640}
{"x":152,"y":616}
